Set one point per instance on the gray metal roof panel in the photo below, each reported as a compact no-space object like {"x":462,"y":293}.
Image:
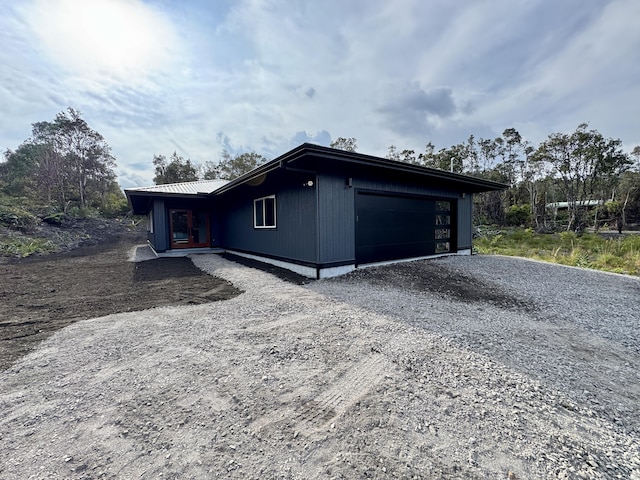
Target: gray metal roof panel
{"x":201,"y":187}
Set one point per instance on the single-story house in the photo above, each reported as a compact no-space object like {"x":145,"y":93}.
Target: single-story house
{"x":317,"y":211}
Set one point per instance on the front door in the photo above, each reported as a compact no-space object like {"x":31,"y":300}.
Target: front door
{"x":189,"y":228}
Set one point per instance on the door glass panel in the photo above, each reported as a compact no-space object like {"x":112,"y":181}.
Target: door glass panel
{"x":199,"y":230}
{"x":180,"y":226}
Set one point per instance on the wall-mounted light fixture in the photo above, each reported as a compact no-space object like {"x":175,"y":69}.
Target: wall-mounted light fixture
{"x":349,"y":182}
{"x":308,"y":183}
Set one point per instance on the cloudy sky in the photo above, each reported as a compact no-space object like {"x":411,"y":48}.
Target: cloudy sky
{"x":200,"y":76}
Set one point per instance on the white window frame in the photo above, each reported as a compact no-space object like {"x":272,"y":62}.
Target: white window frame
{"x":150,"y":221}
{"x":261,"y":203}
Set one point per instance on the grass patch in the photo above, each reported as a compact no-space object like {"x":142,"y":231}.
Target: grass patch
{"x":618,"y":255}
{"x":24,"y":246}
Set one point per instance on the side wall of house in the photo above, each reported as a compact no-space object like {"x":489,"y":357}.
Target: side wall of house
{"x":160,"y":237}
{"x":293,"y":239}
{"x":465,"y":222}
{"x":336,"y":220}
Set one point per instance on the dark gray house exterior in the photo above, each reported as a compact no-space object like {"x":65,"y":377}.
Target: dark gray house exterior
{"x":318,"y":211}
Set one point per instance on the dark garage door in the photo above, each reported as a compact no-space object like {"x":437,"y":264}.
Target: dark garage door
{"x":390,"y":227}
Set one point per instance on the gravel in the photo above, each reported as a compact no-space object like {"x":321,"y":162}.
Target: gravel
{"x":462,"y":367}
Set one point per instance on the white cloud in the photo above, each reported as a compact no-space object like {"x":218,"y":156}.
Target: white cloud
{"x":105,"y":40}
{"x":591,"y":75}
{"x":273,"y":74}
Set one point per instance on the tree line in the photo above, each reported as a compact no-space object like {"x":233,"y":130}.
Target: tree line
{"x":177,"y":169}
{"x":66,"y":164}
{"x":572,"y":180}
{"x":575,"y":179}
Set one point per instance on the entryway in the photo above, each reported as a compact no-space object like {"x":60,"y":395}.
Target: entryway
{"x":189,"y":228}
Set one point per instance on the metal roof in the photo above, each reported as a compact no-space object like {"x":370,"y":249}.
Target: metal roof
{"x":200,"y":187}
{"x":580,"y":203}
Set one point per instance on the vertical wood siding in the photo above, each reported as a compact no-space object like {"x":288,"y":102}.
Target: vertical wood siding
{"x":317,"y":224}
{"x":336,"y":210}
{"x":465,"y":227}
{"x":160,"y":226}
{"x":293,"y":238}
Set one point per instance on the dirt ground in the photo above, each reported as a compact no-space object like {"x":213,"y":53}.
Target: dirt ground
{"x":40,"y":295}
{"x":457,"y":368}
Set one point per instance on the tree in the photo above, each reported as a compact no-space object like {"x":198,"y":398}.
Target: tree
{"x":586,"y":164}
{"x":84,"y":155}
{"x":450,"y":159}
{"x":347,"y":144}
{"x":393,"y":153}
{"x":233,"y":167}
{"x":208,"y":171}
{"x":64,"y":162}
{"x":19,"y":170}
{"x":635,"y":155}
{"x":488,"y":153}
{"x":176,"y":170}
{"x":512,"y":148}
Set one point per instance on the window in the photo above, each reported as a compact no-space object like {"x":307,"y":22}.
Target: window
{"x":264,"y":212}
{"x":443,"y":206}
{"x":443,"y":219}
{"x":443,"y":230}
{"x":443,"y":233}
{"x":442,"y":247}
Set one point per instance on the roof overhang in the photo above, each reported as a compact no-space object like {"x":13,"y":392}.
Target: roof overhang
{"x":141,"y":198}
{"x":316,"y":158}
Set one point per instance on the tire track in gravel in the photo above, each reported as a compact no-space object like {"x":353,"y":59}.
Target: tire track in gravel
{"x":318,"y":412}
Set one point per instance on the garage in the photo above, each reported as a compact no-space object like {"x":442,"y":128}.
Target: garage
{"x":390,"y":227}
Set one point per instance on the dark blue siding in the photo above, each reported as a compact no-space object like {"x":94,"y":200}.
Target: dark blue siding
{"x":295,"y":232}
{"x":160,"y":226}
{"x":394,"y":187}
{"x":336,"y":219}
{"x":465,"y":213}
{"x":316,"y":224}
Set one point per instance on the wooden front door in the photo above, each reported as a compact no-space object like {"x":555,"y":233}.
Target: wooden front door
{"x":189,"y":228}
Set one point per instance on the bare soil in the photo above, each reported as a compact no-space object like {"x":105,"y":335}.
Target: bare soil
{"x":458,"y":368}
{"x":39,"y":295}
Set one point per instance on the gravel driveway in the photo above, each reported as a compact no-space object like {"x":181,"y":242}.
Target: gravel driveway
{"x":462,"y":367}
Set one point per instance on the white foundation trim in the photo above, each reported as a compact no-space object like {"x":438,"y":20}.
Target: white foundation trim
{"x":336,"y":271}
{"x":294,"y":267}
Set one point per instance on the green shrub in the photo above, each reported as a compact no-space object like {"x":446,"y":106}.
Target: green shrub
{"x":24,"y":246}
{"x":17,"y":219}
{"x":518,"y":215}
{"x":114,"y":206}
